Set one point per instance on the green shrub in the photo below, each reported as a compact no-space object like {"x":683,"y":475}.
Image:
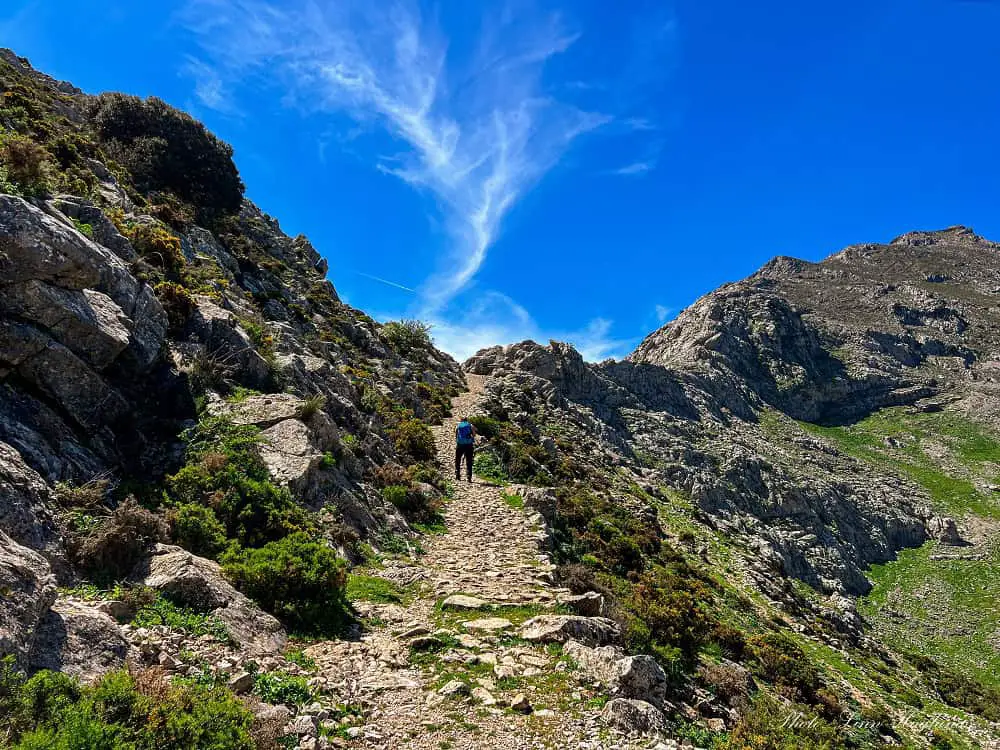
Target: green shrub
{"x":412,"y":503}
{"x":87,"y":230}
{"x":513,"y":454}
{"x":488,"y":427}
{"x":299,"y":657}
{"x":428,"y":473}
{"x":395,"y":494}
{"x":277,"y":687}
{"x":196,"y":528}
{"x":414,"y":439}
{"x":25,"y":165}
{"x":226,"y":474}
{"x":299,"y":580}
{"x":670,"y":609}
{"x":177,"y":303}
{"x":781,"y":661}
{"x":119,"y":712}
{"x":592,"y":523}
{"x":487,"y":465}
{"x":406,"y":336}
{"x":259,"y":335}
{"x":166,"y":149}
{"x":769,"y":725}
{"x":157,"y":246}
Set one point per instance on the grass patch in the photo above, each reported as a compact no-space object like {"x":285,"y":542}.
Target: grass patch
{"x":365,"y":588}
{"x":948,"y":607}
{"x":941,"y":451}
{"x":513,"y":500}
{"x":164,"y":612}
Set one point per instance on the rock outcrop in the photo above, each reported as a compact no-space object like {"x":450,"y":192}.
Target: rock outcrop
{"x":198,"y":583}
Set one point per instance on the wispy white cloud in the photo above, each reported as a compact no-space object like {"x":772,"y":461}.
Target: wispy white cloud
{"x":647,"y":163}
{"x":475,"y":134}
{"x":639,"y":123}
{"x":663,"y":313}
{"x":494,"y":318}
{"x":209,"y":88}
{"x":473,"y":124}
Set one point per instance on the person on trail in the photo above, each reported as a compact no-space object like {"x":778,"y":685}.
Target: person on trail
{"x":465,"y":447}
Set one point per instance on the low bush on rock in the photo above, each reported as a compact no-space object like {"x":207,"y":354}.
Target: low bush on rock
{"x":24,"y":166}
{"x":414,"y":440}
{"x":277,"y":687}
{"x":669,"y":611}
{"x":592,"y":524}
{"x":407,"y":337}
{"x":781,"y":661}
{"x":157,"y":247}
{"x":109,"y":549}
{"x":177,"y":303}
{"x":196,"y":528}
{"x":162,"y":611}
{"x":299,"y":580}
{"x":226,"y":475}
{"x":415,"y":504}
{"x":165,"y":149}
{"x":51,"y":711}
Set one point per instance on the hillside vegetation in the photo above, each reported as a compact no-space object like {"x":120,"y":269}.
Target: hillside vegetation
{"x":224,"y":522}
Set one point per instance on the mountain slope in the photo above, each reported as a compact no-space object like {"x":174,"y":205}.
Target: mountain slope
{"x":774,"y":525}
{"x":806,"y":423}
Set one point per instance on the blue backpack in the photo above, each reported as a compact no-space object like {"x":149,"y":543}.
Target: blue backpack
{"x":464,"y":433}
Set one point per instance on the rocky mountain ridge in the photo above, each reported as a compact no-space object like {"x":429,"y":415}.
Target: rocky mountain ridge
{"x":221,"y":486}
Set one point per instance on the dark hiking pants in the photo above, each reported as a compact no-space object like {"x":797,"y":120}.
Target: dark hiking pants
{"x":466,"y":451}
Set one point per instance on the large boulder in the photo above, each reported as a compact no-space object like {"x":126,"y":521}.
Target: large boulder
{"x":79,"y":640}
{"x":294,"y":440}
{"x":27,"y":591}
{"x":227,"y":343}
{"x":199,"y":584}
{"x":633,"y":717}
{"x":540,"y":499}
{"x":637,"y":677}
{"x":87,"y":322}
{"x":103,"y":229}
{"x":588,"y":604}
{"x":40,"y":247}
{"x":591,"y":631}
{"x":60,"y":375}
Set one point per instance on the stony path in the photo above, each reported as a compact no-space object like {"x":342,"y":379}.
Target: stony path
{"x":392,"y":676}
{"x":491,"y":550}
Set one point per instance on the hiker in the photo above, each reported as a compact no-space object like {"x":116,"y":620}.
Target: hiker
{"x":465,"y":442}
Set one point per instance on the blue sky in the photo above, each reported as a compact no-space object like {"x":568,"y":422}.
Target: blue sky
{"x":582,"y":171}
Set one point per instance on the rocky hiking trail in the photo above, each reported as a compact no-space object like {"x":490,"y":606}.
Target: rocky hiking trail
{"x":475,"y":655}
